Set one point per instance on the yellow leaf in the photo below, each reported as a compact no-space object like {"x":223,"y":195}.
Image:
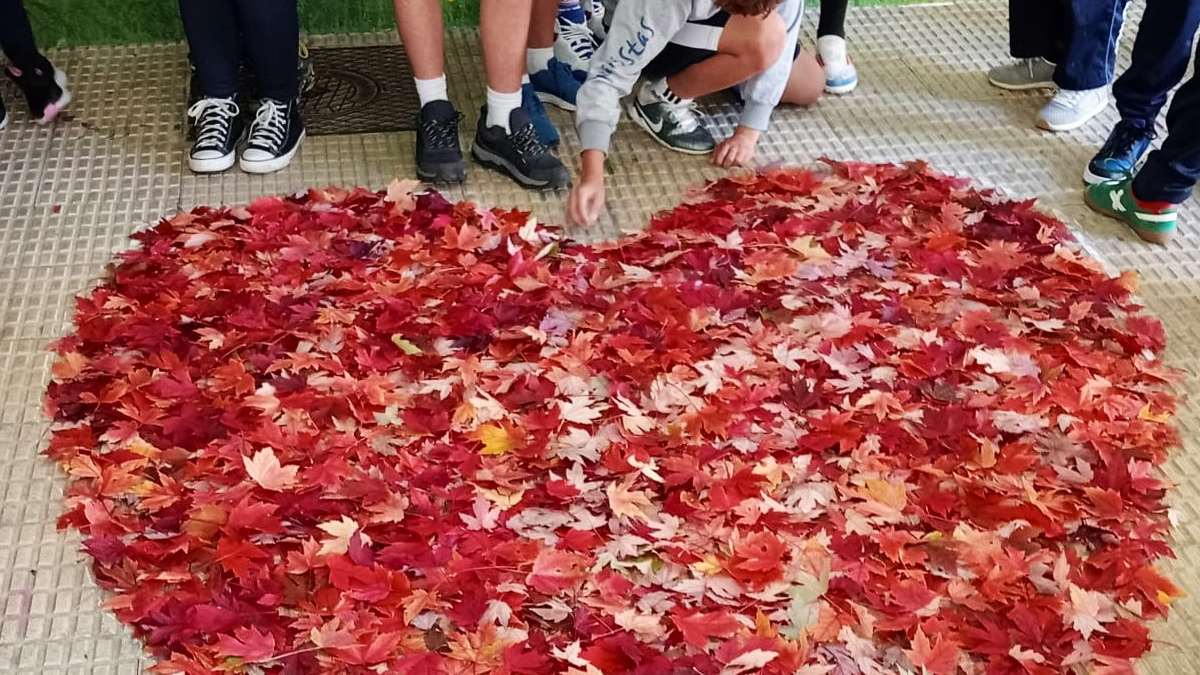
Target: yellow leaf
{"x":496,"y":439}
{"x":406,"y":346}
{"x":887,"y":493}
{"x":709,"y":566}
{"x":987,"y":453}
{"x":806,"y":248}
{"x":1150,"y":416}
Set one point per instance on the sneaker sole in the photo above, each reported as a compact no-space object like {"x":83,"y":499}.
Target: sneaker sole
{"x":561,"y":104}
{"x":1096,"y":179}
{"x":1007,"y":86}
{"x":443,"y":173}
{"x":274,"y":164}
{"x":840,"y":89}
{"x":53,"y":110}
{"x":636,"y":115}
{"x":214,"y":165}
{"x":494,"y":161}
{"x":1043,"y":124}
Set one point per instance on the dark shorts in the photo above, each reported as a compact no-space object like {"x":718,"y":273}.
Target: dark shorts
{"x":695,"y":42}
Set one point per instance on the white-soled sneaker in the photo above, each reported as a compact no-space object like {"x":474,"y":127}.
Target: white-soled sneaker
{"x":274,"y":137}
{"x":1070,"y":109}
{"x":1035,"y":73}
{"x":218,"y":129}
{"x":841,"y":77}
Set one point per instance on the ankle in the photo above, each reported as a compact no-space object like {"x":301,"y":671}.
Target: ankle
{"x":500,"y":106}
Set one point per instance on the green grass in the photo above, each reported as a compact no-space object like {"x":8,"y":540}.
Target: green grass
{"x":89,"y":22}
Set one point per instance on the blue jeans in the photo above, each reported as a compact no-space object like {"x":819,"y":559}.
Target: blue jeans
{"x":1080,"y":36}
{"x":1160,"y":60}
{"x":268,"y":30}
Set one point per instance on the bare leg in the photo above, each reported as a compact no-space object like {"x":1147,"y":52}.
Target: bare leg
{"x":541,"y":27}
{"x":503,"y":28}
{"x":421,"y":31}
{"x":749,"y":45}
{"x":807,"y":81}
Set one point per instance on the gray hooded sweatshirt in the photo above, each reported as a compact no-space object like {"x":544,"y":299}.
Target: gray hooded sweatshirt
{"x":640,"y":30}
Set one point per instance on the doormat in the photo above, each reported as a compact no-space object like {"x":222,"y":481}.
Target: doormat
{"x":347,"y":90}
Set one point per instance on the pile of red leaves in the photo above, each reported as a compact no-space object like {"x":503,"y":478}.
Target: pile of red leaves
{"x":870,"y":422}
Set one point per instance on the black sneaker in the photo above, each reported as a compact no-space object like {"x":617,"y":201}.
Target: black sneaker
{"x":519,"y":155}
{"x":439,"y":155}
{"x":219,"y":128}
{"x":274,"y":137}
{"x":3,"y":115}
{"x":45,"y":89}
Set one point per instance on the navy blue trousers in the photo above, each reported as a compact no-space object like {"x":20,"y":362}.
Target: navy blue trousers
{"x":1079,"y":36}
{"x":219,"y":32}
{"x":1160,"y":60}
{"x":16,"y":37}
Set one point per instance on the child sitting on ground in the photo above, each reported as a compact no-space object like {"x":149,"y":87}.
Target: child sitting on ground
{"x":44,"y":86}
{"x":686,"y":49}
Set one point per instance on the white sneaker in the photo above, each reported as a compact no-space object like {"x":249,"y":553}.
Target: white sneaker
{"x":596,"y":21}
{"x":841,"y":77}
{"x":574,"y":45}
{"x":1072,"y":109}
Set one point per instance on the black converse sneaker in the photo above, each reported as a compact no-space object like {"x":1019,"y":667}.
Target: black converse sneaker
{"x":219,"y":128}
{"x":274,"y":137}
{"x":45,"y":89}
{"x":439,"y":155}
{"x":519,"y":154}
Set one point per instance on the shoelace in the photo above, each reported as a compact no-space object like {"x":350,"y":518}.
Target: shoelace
{"x":526,"y":143}
{"x":1030,"y":65}
{"x":270,"y":125}
{"x":685,"y":115}
{"x":212,"y":117}
{"x":441,"y":133}
{"x":578,"y":37}
{"x":1122,"y":140}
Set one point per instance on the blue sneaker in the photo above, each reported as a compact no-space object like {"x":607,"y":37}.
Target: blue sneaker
{"x":1120,"y":155}
{"x":556,"y":85}
{"x":543,"y":128}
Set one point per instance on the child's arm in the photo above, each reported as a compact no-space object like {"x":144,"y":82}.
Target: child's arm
{"x":639,"y":31}
{"x":763,"y":92}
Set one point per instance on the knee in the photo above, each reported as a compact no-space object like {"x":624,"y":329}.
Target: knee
{"x":764,"y":50}
{"x":807,"y":83}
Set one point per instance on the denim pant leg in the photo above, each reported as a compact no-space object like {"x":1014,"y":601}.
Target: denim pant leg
{"x":1090,"y":55}
{"x":1160,"y":59}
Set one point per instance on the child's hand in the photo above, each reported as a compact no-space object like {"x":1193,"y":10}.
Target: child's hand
{"x":587,"y":197}
{"x":738,"y":149}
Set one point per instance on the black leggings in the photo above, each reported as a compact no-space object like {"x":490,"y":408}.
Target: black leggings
{"x":270,"y":31}
{"x":833,"y":18}
{"x":16,"y":37}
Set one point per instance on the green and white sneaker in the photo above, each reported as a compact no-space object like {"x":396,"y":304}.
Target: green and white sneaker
{"x":670,"y":120}
{"x":1152,"y":221}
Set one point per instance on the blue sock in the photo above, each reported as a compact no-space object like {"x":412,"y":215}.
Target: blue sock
{"x":571,"y":10}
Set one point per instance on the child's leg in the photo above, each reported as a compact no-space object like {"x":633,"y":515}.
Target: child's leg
{"x":833,"y":18}
{"x":271,"y":29}
{"x":503,"y":31}
{"x":211,"y":27}
{"x":16,"y":36}
{"x":807,"y":81}
{"x":748,"y":45}
{"x":422,"y":32}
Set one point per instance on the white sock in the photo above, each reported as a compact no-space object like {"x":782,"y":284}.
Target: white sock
{"x":537,"y":60}
{"x":500,"y":105}
{"x":433,"y":89}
